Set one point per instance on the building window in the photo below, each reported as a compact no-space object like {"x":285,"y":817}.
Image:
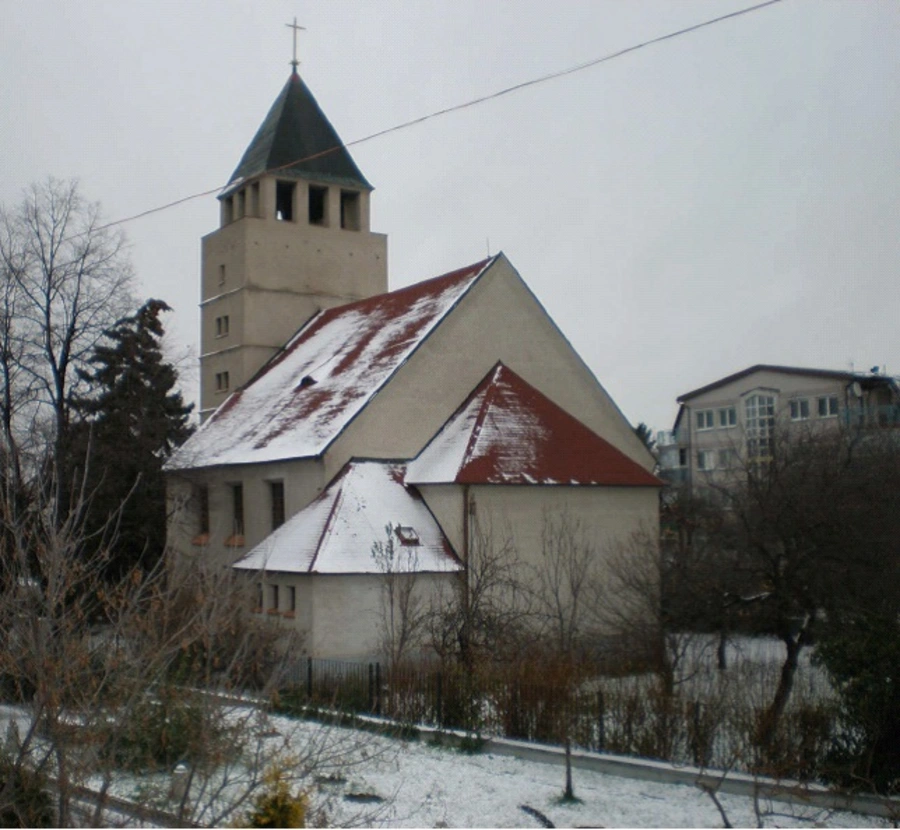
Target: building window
{"x":228,"y":213}
{"x":828,"y":406}
{"x":760,"y":422}
{"x":706,"y":419}
{"x":276,"y":493}
{"x":258,"y":603}
{"x":222,"y":382}
{"x":241,"y":204}
{"x":203,"y":506}
{"x":223,"y":326}
{"x":318,"y":205}
{"x":254,"y":199}
{"x":291,"y":599}
{"x":706,"y":460}
{"x":284,"y":201}
{"x":221,"y":275}
{"x":727,"y":417}
{"x":728,"y":458}
{"x":273,"y":593}
{"x":799,"y":409}
{"x":350,"y":210}
{"x":237,"y":509}
{"x":682,"y":457}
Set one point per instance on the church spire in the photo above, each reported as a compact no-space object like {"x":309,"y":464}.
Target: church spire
{"x":296,"y":140}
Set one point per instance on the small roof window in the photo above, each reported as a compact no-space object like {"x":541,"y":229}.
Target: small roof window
{"x":407,"y":535}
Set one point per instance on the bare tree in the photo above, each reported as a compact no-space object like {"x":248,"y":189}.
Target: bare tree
{"x":403,"y":612}
{"x":480,"y":615}
{"x":562,"y":586}
{"x":66,"y":280}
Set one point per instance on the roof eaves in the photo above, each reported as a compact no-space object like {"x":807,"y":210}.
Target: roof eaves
{"x":834,"y":374}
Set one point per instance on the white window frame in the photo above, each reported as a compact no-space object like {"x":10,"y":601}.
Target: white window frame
{"x":759,"y":419}
{"x":706,"y":460}
{"x":707,"y":416}
{"x":831,"y":411}
{"x":726,"y":417}
{"x":796,"y":409}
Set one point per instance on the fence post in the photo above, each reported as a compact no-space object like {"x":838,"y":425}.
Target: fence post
{"x":371,"y":688}
{"x":309,"y":679}
{"x":601,"y":721}
{"x":378,"y":688}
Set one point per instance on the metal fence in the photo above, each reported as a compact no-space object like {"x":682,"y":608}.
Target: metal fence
{"x":716,"y":726}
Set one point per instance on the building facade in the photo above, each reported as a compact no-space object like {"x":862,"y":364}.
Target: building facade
{"x":339,"y":416}
{"x":731,"y":424}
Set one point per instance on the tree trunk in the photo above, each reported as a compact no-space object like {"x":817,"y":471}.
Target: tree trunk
{"x":772,"y":716}
{"x":722,"y":649}
{"x":570,"y":790}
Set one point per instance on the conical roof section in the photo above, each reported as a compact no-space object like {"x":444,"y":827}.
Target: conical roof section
{"x":297,"y":140}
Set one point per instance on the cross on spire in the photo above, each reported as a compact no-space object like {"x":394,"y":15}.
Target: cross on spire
{"x":295,"y":63}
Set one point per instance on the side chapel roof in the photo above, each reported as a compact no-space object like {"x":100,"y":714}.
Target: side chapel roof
{"x":507,"y":432}
{"x":296,"y":130}
{"x":302,"y":399}
{"x":336,"y":533}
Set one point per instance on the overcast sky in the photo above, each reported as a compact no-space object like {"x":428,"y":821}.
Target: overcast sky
{"x":725,"y":198}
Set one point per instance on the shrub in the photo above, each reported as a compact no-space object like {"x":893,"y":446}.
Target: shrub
{"x":276,"y":805}
{"x":24,"y":800}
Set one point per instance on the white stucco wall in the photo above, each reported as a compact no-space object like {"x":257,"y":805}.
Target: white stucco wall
{"x":497,"y":320}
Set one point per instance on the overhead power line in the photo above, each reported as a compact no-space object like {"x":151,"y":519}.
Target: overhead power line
{"x":464,"y":105}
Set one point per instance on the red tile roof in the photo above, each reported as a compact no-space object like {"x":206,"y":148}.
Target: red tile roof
{"x":507,"y":432}
{"x":301,"y":400}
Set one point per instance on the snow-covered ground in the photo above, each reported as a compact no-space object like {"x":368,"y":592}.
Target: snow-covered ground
{"x":434,"y":786}
{"x":364,"y":779}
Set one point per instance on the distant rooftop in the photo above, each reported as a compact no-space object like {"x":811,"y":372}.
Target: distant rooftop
{"x":865,"y":378}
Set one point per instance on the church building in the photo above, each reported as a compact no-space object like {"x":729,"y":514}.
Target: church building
{"x":338,"y":416}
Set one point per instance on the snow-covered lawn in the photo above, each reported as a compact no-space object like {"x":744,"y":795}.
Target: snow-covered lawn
{"x":435,"y":786}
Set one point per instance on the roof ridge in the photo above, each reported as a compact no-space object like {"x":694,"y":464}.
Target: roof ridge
{"x":488,"y":383}
{"x":332,"y":513}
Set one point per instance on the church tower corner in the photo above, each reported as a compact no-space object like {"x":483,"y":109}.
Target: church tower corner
{"x":294,"y":238}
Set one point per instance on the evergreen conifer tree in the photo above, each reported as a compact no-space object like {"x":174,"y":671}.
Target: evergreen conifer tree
{"x":134,"y":418}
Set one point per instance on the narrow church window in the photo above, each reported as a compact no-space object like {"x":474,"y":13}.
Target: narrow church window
{"x":221,"y":275}
{"x":318,"y":205}
{"x":254,"y":199}
{"x":259,"y":597}
{"x":237,"y":502}
{"x":284,"y":201}
{"x":222,"y":381}
{"x":350,"y":210}
{"x":228,"y":210}
{"x":201,"y":494}
{"x":292,"y":598}
{"x":203,"y":498}
{"x":223,"y":326}
{"x":274,"y":606}
{"x":276,"y":491}
{"x":241,"y":204}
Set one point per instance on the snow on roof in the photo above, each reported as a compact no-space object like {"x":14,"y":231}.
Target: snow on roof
{"x":507,"y":432}
{"x":301,"y":399}
{"x":336,"y":533}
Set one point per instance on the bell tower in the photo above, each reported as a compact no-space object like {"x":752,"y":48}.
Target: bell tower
{"x":293,"y":239}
